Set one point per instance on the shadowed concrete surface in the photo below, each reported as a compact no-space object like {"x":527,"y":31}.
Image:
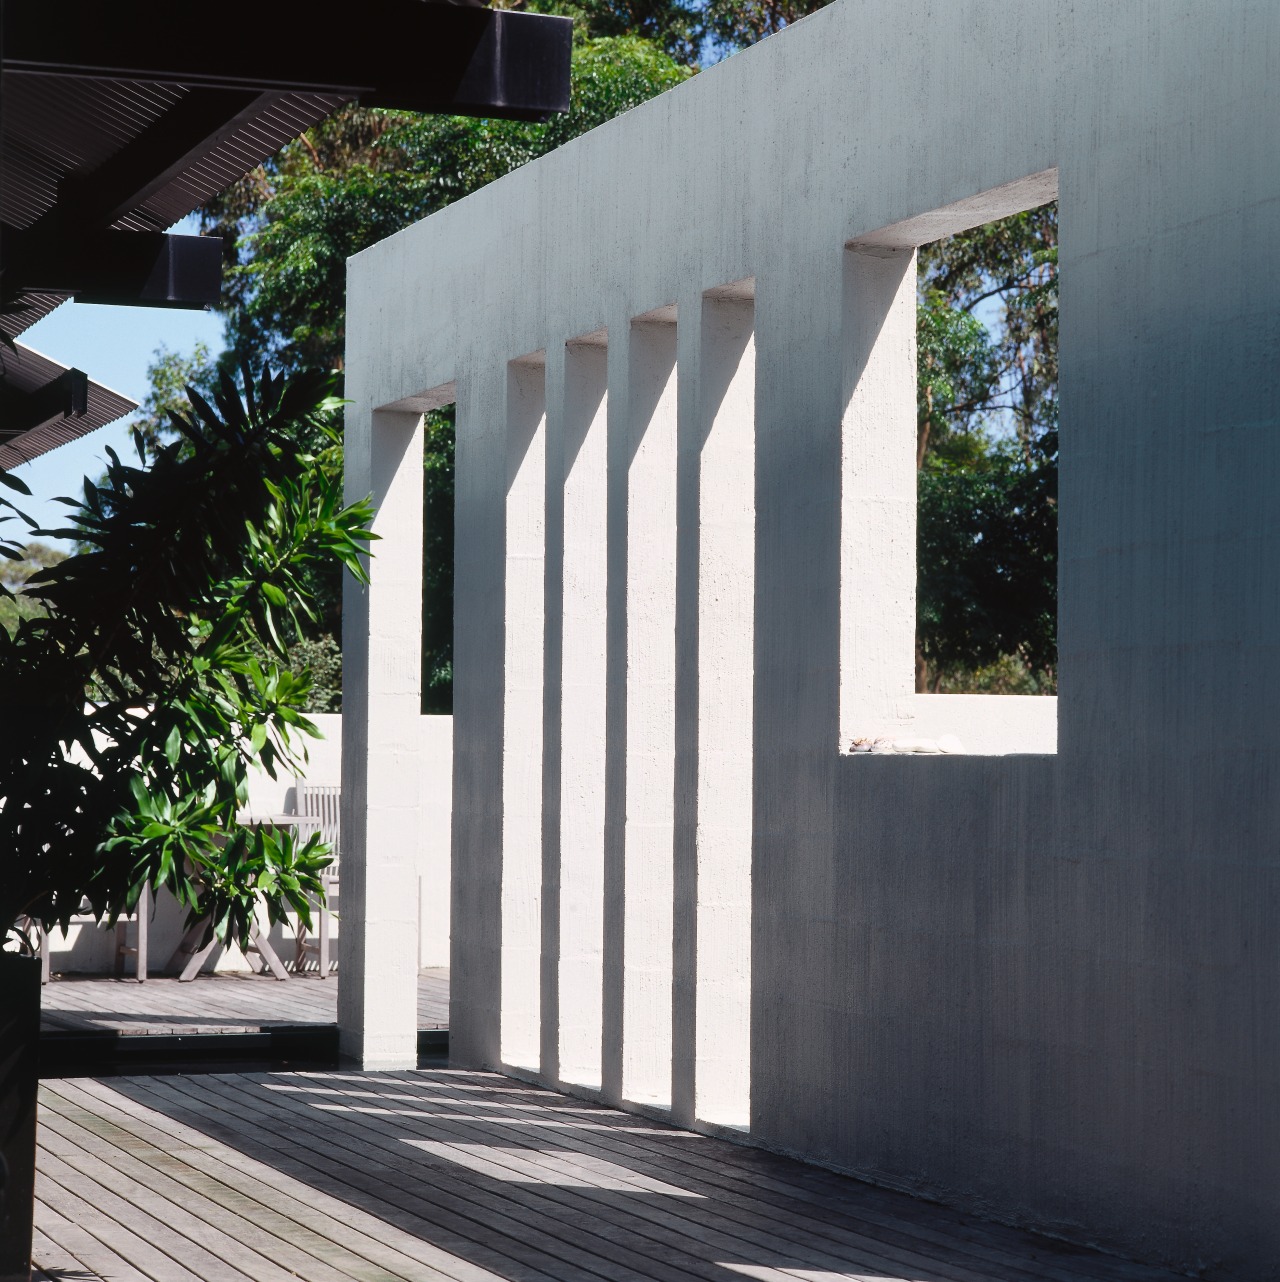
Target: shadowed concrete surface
{"x":1037,"y":979}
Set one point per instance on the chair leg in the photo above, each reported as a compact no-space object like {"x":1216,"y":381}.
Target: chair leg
{"x":324,"y":942}
{"x":45,"y":966}
{"x":196,"y":958}
{"x":144,"y":925}
{"x":258,"y":939}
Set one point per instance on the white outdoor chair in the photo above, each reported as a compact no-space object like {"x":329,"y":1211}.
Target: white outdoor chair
{"x":124,"y":949}
{"x":321,"y":801}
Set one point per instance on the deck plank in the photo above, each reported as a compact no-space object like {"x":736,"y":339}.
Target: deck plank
{"x":824,"y":1226}
{"x":239,"y":1243}
{"x":797,"y":1189}
{"x":64,"y":1249}
{"x":567,"y":1226}
{"x":228,"y":1003}
{"x":135,"y":1238}
{"x":304,"y":1202}
{"x":469,"y":1177}
{"x":233,"y":1191}
{"x":521,"y":1245}
{"x":731,"y":1173}
{"x":664,"y":1230}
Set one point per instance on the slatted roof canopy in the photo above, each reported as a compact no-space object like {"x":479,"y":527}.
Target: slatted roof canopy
{"x":43,"y":404}
{"x":118,"y":120}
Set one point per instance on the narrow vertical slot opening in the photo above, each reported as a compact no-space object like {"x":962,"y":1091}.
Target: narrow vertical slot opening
{"x":439,"y":434}
{"x":438,"y":426}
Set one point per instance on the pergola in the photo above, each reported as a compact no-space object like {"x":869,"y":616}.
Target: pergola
{"x":118,"y":120}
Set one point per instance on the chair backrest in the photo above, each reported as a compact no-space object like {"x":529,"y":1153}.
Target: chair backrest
{"x":323,"y":801}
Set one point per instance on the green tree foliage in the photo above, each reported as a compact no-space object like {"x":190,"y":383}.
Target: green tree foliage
{"x":987,"y":332}
{"x":359,"y":176}
{"x":987,"y":449}
{"x":134,"y":704}
{"x":730,"y":25}
{"x":672,"y":26}
{"x":312,"y":644}
{"x":692,"y":34}
{"x":29,"y":561}
{"x":169,"y":376}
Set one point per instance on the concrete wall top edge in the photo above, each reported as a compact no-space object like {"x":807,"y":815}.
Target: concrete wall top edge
{"x":532,"y":259}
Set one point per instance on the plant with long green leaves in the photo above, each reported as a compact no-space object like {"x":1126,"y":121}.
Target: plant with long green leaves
{"x":134,"y":706}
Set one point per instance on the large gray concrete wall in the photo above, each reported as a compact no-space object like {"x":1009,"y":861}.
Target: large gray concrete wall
{"x":1038,"y":983}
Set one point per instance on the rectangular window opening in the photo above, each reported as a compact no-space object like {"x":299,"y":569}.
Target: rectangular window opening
{"x":949,"y":480}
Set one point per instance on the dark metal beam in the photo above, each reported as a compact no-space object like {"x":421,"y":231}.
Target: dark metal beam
{"x":122,"y":267}
{"x":66,"y":396}
{"x":404,"y":53}
{"x":518,"y":70}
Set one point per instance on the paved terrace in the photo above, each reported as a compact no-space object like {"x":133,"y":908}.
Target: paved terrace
{"x":467,"y":1176}
{"x":231,"y":1003}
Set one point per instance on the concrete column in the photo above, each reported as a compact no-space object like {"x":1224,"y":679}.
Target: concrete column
{"x":584,"y":472}
{"x":725,"y":706}
{"x":795,"y":919}
{"x":382,"y":642}
{"x":522,"y":756}
{"x":878,"y":491}
{"x":650,"y":756}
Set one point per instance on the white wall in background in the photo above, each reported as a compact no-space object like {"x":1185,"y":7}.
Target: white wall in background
{"x":89,"y":950}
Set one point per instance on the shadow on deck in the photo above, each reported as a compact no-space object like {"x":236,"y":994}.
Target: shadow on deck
{"x":471,"y":1177}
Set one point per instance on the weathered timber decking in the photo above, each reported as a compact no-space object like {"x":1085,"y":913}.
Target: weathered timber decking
{"x":467,"y":1176}
{"x":212,"y":1003}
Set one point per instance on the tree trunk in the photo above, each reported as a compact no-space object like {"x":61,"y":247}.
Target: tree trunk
{"x":922,"y":672}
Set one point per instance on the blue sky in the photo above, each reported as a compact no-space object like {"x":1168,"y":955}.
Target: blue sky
{"x":114,"y":346}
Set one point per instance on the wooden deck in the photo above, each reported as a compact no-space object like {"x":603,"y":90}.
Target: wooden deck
{"x":212,"y":1004}
{"x":467,"y":1176}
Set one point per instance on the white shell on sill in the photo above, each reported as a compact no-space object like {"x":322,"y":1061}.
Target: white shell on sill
{"x":945,"y":744}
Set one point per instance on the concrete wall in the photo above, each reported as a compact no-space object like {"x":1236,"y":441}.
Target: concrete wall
{"x":88,"y":950}
{"x":1037,"y":979}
